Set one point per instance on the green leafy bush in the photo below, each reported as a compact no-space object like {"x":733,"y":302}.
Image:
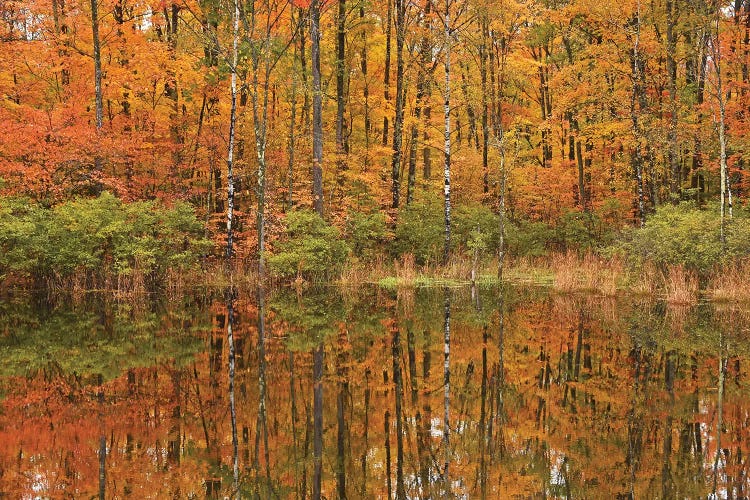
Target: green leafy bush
{"x":310,"y":247}
{"x":365,"y":232}
{"x":421,"y":229}
{"x":98,"y":235}
{"x":685,"y":235}
{"x":475,"y":225}
{"x":529,"y":239}
{"x":577,"y":230}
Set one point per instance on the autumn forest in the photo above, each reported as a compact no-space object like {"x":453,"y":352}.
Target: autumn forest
{"x":374,"y":249}
{"x":571,"y":122}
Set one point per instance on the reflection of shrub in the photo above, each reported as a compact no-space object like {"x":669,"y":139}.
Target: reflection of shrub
{"x":309,"y":317}
{"x":310,"y":247}
{"x":98,"y":236}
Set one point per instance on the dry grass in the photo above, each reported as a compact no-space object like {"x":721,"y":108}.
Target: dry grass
{"x":588,"y":274}
{"x":602,"y":275}
{"x":730,"y":283}
{"x":646,"y":280}
{"x":405,"y":270}
{"x":565,"y":268}
{"x":681,"y":285}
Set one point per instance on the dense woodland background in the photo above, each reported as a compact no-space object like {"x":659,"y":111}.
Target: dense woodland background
{"x":590,"y":114}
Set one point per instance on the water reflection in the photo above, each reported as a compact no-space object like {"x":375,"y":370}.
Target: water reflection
{"x":340,"y":393}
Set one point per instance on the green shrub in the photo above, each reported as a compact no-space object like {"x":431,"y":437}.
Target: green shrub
{"x":577,"y":230}
{"x":529,"y":239}
{"x":98,"y":236}
{"x":420,"y":230}
{"x":685,"y":235}
{"x":365,"y":232}
{"x":475,"y":225}
{"x":20,"y":244}
{"x":310,"y":247}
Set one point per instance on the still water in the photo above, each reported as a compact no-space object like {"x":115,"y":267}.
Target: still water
{"x":513,"y":393}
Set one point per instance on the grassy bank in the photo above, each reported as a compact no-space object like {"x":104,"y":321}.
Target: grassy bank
{"x":566,"y":272}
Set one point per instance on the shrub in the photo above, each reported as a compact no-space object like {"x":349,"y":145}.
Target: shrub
{"x":475,"y":226}
{"x":365,"y":232}
{"x":98,"y":236}
{"x":310,"y":247}
{"x":687,"y":236}
{"x":528,"y":239}
{"x":576,"y":230}
{"x":420,"y":231}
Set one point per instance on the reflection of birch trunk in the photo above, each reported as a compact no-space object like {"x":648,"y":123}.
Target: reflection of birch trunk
{"x":317,"y":420}
{"x":295,"y":438}
{"x":341,"y":397}
{"x":483,"y":418}
{"x":261,"y":428}
{"x":719,"y":411}
{"x":641,"y":370}
{"x":399,"y":386}
{"x":366,"y":436}
{"x":500,"y":378}
{"x":425,"y":450}
{"x":387,"y":430}
{"x":232,"y":405}
{"x":201,"y":410}
{"x":666,"y":471}
{"x":446,"y":386}
{"x":412,"y":355}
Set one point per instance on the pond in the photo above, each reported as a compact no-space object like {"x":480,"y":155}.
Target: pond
{"x":427,"y":393}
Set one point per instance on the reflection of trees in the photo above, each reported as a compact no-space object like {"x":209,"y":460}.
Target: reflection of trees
{"x":557,"y":397}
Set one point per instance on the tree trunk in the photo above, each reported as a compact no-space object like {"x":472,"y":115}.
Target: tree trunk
{"x":340,"y":93}
{"x":721,"y":99}
{"x":229,"y":250}
{"x":317,"y":169}
{"x":366,"y":89}
{"x":447,"y":133}
{"x":422,"y":75}
{"x":672,"y":159}
{"x":318,"y":352}
{"x":635,"y":101}
{"x":99,"y":106}
{"x":485,"y":118}
{"x":398,"y":120}
{"x":387,"y":71}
